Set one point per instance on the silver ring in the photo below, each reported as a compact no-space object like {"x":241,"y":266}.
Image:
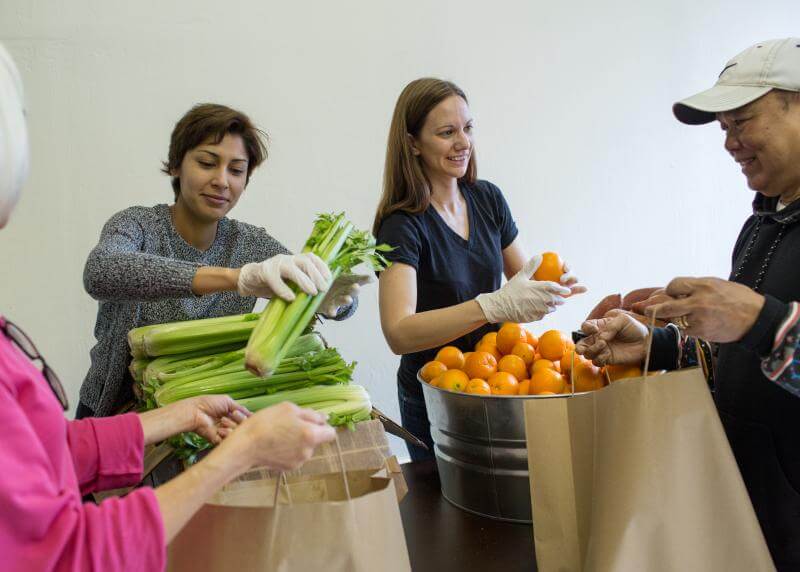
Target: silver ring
{"x":681,"y":322}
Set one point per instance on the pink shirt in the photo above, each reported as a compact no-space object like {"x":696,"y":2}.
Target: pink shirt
{"x":47,"y":463}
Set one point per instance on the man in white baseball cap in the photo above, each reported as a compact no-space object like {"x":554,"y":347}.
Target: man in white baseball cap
{"x":754,"y":316}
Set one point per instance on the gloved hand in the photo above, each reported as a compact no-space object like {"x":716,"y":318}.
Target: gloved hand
{"x":342,"y":292}
{"x":522,"y":299}
{"x":267,"y":279}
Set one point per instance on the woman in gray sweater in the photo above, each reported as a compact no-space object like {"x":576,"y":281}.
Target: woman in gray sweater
{"x":188,"y":260}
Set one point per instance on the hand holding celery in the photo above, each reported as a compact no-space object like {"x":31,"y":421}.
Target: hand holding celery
{"x":341,"y":247}
{"x":267,"y":279}
{"x":213,"y":417}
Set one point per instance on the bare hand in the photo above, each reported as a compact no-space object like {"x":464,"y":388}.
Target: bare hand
{"x":629,"y":302}
{"x":283,"y":436}
{"x":616,"y":339}
{"x":713,"y":309}
{"x":213,"y":417}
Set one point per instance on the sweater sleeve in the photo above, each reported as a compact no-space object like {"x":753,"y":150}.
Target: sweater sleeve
{"x":107,"y":452}
{"x":44,"y":526}
{"x":117,"y":269}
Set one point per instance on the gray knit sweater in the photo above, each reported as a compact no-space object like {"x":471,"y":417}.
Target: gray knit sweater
{"x":141,"y":272}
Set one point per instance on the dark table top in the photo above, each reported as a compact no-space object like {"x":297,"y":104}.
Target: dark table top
{"x":442,"y":537}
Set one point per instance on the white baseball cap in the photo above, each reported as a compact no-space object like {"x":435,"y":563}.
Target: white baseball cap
{"x":748,"y":76}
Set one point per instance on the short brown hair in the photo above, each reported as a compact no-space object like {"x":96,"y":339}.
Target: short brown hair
{"x":405,"y":185}
{"x":211,"y":120}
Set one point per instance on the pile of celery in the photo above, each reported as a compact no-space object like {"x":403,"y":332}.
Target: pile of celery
{"x":281,"y":361}
{"x":341,"y":246}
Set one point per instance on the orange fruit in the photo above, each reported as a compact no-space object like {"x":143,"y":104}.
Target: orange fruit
{"x":566,"y":361}
{"x":551,"y":269}
{"x":546,"y":380}
{"x":587,"y":377}
{"x":490,"y":348}
{"x":532,"y":340}
{"x":480,"y":365}
{"x":524,"y":387}
{"x":525,"y":351}
{"x":466,"y":355}
{"x":479,"y":387}
{"x":580,"y":362}
{"x":510,"y":335}
{"x":514,"y":365}
{"x":542,"y":363}
{"x":491,"y":337}
{"x":617,"y":372}
{"x":551,"y":345}
{"x":454,"y":380}
{"x":503,"y":383}
{"x":567,"y":388}
{"x":546,"y":393}
{"x":451,"y":357}
{"x":436,"y":381}
{"x":431,"y":370}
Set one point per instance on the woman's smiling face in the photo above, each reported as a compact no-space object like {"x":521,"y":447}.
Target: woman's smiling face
{"x":445,"y":141}
{"x":213,"y":177}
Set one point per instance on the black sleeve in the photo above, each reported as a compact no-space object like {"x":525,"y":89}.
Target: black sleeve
{"x":504,"y":218}
{"x":665,"y":352}
{"x":399,"y":231}
{"x":761,"y":336}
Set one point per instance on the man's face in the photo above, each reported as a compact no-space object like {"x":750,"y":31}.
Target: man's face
{"x":764,"y":138}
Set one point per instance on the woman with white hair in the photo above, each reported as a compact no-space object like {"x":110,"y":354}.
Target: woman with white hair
{"x":49,"y":462}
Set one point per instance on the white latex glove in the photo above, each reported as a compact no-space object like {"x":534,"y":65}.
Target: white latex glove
{"x":343,"y":292}
{"x":267,"y":279}
{"x":521,"y":299}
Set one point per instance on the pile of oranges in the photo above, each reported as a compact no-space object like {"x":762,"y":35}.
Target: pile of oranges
{"x":513,"y":361}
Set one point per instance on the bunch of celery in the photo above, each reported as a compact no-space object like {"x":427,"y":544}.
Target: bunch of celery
{"x":344,"y":404}
{"x":231,"y":378}
{"x":191,"y":335}
{"x":194,"y":366}
{"x":342,"y":247}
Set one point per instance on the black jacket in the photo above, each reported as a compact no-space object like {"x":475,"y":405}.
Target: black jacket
{"x":761,"y":419}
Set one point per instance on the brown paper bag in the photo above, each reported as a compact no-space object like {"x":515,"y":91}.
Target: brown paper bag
{"x":639,"y":476}
{"x":345,"y":521}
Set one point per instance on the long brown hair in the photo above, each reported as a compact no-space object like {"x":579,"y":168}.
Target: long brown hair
{"x":405,"y":185}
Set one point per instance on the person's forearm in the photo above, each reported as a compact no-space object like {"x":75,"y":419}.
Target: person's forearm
{"x":183,"y":496}
{"x":164,"y":422}
{"x":210,"y":279}
{"x":140,"y":276}
{"x":434,"y":328}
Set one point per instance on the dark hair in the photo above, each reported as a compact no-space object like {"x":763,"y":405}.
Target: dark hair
{"x":211,"y":120}
{"x":405,"y":185}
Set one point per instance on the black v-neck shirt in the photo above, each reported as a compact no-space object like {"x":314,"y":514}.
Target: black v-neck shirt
{"x":450,"y":269}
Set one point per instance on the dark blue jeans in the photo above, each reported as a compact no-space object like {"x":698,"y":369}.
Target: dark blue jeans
{"x":414,"y":417}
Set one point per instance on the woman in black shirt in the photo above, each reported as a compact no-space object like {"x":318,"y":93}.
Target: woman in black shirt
{"x":454,"y":238}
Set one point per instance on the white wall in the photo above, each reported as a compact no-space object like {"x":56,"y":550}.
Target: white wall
{"x":572,"y":103}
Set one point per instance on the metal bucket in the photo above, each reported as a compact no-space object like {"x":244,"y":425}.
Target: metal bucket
{"x":479,"y":442}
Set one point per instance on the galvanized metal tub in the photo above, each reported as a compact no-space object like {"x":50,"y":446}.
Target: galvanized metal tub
{"x":479,"y":442}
